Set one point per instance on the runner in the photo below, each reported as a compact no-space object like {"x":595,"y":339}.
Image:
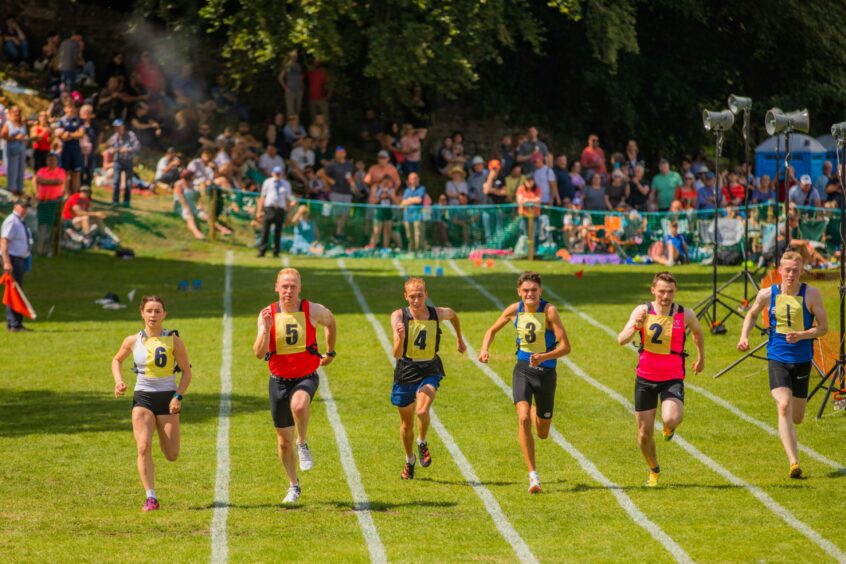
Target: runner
{"x":534,"y":374}
{"x":792,"y":308}
{"x":419,"y":371}
{"x":287,"y":340}
{"x":158,"y":354}
{"x":662,"y":326}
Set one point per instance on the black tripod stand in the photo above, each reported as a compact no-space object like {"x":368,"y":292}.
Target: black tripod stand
{"x":836,"y":377}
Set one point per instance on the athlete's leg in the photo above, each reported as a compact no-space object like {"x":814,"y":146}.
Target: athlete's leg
{"x":300,"y":408}
{"x":524,"y":433}
{"x":799,"y":409}
{"x":786,"y":428}
{"x":672,"y":412}
{"x":646,"y":435}
{"x":143,"y":424}
{"x":407,"y":429}
{"x":168,"y":428}
{"x":541,"y":425}
{"x":285,"y":444}
{"x":424,"y":399}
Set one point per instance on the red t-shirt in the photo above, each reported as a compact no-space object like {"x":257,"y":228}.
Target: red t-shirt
{"x":40,"y":138}
{"x":685,"y":195}
{"x":48,"y":192}
{"x":316,"y":84}
{"x":74,"y":200}
{"x":737,"y":192}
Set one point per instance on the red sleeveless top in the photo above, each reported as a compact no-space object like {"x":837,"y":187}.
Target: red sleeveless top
{"x":293,"y":345}
{"x":661,"y":350}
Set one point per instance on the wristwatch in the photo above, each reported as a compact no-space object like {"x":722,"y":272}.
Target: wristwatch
{"x":177,"y":396}
{"x":331,"y":353}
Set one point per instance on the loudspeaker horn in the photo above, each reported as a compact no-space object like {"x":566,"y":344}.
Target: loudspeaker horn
{"x":778,"y":122}
{"x":739,"y":103}
{"x":717,"y":121}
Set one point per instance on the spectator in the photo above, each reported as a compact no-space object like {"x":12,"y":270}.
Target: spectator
{"x":269,"y":160}
{"x":273,"y":204}
{"x":513,"y":181}
{"x":70,"y":59}
{"x":306,"y":234}
{"x":735,"y":192}
{"x":370,"y":130}
{"x":41,"y":135}
{"x":494,"y":188}
{"x":15,"y":248}
{"x":528,"y":198}
{"x":275,"y":135}
{"x":15,"y":45}
{"x":291,"y":79}
{"x":529,"y":149}
{"x":322,"y":154}
{"x":675,"y":246}
{"x":632,"y":158}
{"x":687,"y":193}
{"x":566,"y":192}
{"x":244,"y":136}
{"x":150,"y":75}
{"x":545,"y":180}
{"x":69,"y":130}
{"x":88,"y":144}
{"x":301,"y":157}
{"x":50,"y":180}
{"x":822,"y":181}
{"x":293,"y":131}
{"x":49,"y":54}
{"x":833,"y":193}
{"x":338,"y":175}
{"x":476,"y":180}
{"x":706,"y":196}
{"x":456,"y":185}
{"x":16,"y":135}
{"x":125,"y":145}
{"x":204,"y":169}
{"x":805,"y":195}
{"x":763,"y":193}
{"x":112,"y":101}
{"x":318,"y":129}
{"x":412,"y":200}
{"x":145,"y":127}
{"x":185,"y":202}
{"x":316,"y":189}
{"x":664,"y":185}
{"x":116,"y":67}
{"x":593,"y":158}
{"x":167,"y":169}
{"x":385,"y":196}
{"x":506,"y":152}
{"x":410,"y":147}
{"x":360,"y":189}
{"x":576,"y":177}
{"x":77,"y":212}
{"x":225,"y":99}
{"x":377,"y":172}
{"x":443,"y":160}
{"x":594,"y":197}
{"x":618,"y":190}
{"x":319,"y":92}
{"x":700,"y":176}
{"x":417,"y":110}
{"x":638,"y":189}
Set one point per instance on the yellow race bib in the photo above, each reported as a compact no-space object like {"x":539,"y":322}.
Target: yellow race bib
{"x":531,"y":329}
{"x":789,"y":314}
{"x":290,"y":332}
{"x":159,"y":357}
{"x":420,"y":339}
{"x":658,"y":333}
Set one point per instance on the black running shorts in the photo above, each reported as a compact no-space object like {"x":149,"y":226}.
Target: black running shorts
{"x":157,"y":402}
{"x":647,"y":392}
{"x":793,"y":376}
{"x":281,"y":392}
{"x":534,"y":382}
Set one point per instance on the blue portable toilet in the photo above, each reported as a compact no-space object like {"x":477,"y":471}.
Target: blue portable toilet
{"x":830,"y":145}
{"x":806,"y":156}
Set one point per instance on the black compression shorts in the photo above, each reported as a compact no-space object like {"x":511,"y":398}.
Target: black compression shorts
{"x":530,"y":382}
{"x":647,"y":392}
{"x":157,"y":402}
{"x":793,"y":376}
{"x":281,"y":392}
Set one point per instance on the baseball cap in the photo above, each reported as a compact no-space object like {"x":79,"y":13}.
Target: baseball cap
{"x":477,"y":160}
{"x":663,"y":161}
{"x":710,"y":175}
{"x":117,"y":122}
{"x":85,"y":188}
{"x":689,"y":175}
{"x":383,"y":153}
{"x":703,"y":170}
{"x":806,"y":179}
{"x":339,"y":148}
{"x":278,"y":170}
{"x":538,"y":158}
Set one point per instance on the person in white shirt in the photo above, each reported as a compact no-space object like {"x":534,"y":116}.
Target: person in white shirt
{"x":301,"y":157}
{"x":167,"y":169}
{"x":16,"y":248}
{"x":270,"y":159}
{"x":274,"y":202}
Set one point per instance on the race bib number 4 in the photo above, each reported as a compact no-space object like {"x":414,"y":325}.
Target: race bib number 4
{"x":421,"y":339}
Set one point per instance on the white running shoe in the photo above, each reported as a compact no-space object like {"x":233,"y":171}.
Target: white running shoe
{"x":306,"y":461}
{"x":293,"y":495}
{"x":534,"y":485}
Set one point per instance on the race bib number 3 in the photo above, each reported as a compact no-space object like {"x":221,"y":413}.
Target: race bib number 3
{"x":159,"y":357}
{"x":789,"y":314}
{"x":531,"y":330}
{"x":290,"y":332}
{"x":421,"y":339}
{"x":658,"y":334}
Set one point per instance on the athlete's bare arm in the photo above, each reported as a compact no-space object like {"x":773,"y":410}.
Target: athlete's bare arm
{"x":505,"y":317}
{"x":762,"y":300}
{"x":633,"y":325}
{"x":123,"y":353}
{"x":321,"y":315}
{"x":562,"y":346}
{"x":813,"y":299}
{"x":180,"y":354}
{"x":399,"y":332}
{"x":262,"y":344}
{"x":448,"y":314}
{"x":692,"y":322}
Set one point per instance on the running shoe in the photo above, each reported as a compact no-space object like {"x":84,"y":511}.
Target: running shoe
{"x":669,"y":433}
{"x":152,"y":504}
{"x":652,"y":481}
{"x":306,"y":461}
{"x":424,"y":454}
{"x":408,"y":471}
{"x":534,"y":485}
{"x":795,"y":471}
{"x":294,"y":493}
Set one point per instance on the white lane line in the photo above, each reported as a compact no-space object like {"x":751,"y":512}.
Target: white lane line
{"x":827,"y":546}
{"x":769,"y":429}
{"x":220,"y":547}
{"x":362,"y":505}
{"x":506,"y":529}
{"x":589,"y":467}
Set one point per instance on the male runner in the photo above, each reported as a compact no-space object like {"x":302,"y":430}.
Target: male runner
{"x":287,"y":340}
{"x":541,"y":339}
{"x":793,"y":306}
{"x":418,"y":372}
{"x":662,"y":326}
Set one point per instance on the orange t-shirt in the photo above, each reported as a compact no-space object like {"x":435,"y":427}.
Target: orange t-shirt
{"x":524,"y":195}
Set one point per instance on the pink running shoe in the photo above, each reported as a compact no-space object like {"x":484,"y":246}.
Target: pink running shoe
{"x":152,"y":504}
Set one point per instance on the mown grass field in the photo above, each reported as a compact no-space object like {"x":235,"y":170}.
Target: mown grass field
{"x":70,"y":490}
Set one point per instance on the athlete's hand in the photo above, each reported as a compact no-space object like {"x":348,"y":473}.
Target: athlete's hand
{"x":266,"y":318}
{"x":325,"y":360}
{"x":640,"y":322}
{"x":535,"y":359}
{"x":698,"y":365}
{"x":484,"y":357}
{"x":793,"y":337}
{"x":461,"y":346}
{"x":743,"y":345}
{"x":120,"y":388}
{"x":399,"y":328}
{"x":175,"y":406}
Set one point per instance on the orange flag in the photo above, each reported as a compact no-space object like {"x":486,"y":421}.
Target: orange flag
{"x":15,"y":298}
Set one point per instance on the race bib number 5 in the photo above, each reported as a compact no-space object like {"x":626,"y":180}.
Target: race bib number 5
{"x":290,"y":332}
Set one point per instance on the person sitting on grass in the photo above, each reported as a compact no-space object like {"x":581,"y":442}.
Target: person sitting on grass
{"x":77,"y":215}
{"x":306,"y":234}
{"x":185,"y":202}
{"x":675,"y":247}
